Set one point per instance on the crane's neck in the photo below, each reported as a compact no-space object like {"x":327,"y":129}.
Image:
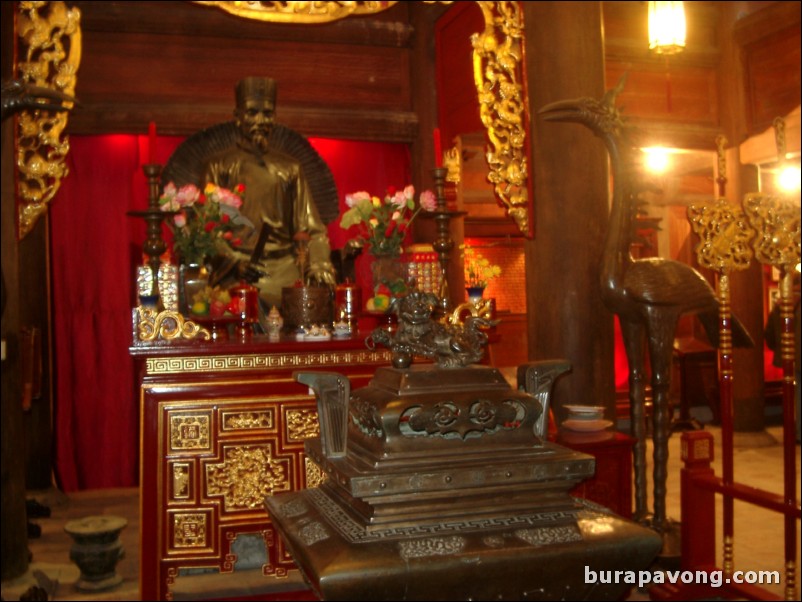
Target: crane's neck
{"x":617,"y":240}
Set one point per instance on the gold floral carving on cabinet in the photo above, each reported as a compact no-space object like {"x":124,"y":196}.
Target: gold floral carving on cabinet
{"x":246,"y":476}
{"x":189,"y":530}
{"x":301,"y":424}
{"x":190,"y":432}
{"x":180,"y":481}
{"x":247,"y":420}
{"x":49,"y":37}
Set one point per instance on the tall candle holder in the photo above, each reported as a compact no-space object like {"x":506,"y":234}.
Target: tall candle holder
{"x":154,"y":245}
{"x":154,"y":323}
{"x":443,"y":243}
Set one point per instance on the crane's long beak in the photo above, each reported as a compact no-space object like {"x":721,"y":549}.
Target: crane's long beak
{"x":37,"y":93}
{"x":562,"y":110}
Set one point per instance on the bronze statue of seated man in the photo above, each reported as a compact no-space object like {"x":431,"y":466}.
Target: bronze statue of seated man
{"x":288,"y":241}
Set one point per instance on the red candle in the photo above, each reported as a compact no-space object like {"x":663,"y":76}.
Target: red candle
{"x":152,"y":142}
{"x":438,"y":149}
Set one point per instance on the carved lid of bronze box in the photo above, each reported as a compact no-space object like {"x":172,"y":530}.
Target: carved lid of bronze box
{"x":421,"y":444}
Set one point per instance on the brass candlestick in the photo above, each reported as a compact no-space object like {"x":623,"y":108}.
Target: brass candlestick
{"x":443,"y":244}
{"x":158,"y":323}
{"x":155,"y":245}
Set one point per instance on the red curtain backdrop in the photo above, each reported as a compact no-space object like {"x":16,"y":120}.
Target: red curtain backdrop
{"x":95,"y":248}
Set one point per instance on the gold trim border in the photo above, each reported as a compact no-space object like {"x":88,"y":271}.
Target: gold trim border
{"x":271,"y":361}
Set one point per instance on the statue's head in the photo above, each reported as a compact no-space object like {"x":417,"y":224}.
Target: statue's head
{"x":255,"y":112}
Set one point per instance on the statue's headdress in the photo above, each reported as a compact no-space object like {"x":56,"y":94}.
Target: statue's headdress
{"x":255,"y":88}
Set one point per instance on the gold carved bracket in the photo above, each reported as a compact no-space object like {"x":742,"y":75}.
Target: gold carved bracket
{"x":153,"y":325}
{"x":49,"y":38}
{"x":498,"y":75}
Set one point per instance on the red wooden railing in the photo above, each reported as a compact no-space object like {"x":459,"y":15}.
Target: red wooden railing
{"x":774,"y":224}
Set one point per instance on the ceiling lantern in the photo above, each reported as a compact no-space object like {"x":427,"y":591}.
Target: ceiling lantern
{"x":667,"y":27}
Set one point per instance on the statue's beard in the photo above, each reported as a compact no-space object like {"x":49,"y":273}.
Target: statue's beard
{"x":260,"y":139}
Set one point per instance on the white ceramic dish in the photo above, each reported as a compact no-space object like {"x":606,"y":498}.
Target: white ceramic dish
{"x":574,"y":409}
{"x":587,"y":426}
{"x":585,"y":417}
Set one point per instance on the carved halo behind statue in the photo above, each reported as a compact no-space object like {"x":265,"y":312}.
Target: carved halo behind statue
{"x":186,"y":164}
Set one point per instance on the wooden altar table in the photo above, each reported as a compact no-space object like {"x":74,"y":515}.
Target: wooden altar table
{"x":222,"y":425}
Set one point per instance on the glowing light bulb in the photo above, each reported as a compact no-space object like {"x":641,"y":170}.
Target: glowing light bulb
{"x":667,"y":27}
{"x":656,"y":159}
{"x":788,"y":179}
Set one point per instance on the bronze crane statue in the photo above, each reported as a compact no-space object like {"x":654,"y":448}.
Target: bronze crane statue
{"x":648,"y":296}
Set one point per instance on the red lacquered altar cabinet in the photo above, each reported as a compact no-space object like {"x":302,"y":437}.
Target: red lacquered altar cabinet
{"x":223,"y":425}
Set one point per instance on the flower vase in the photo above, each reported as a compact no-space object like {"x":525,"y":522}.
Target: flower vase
{"x":389,"y":274}
{"x":194,"y":278}
{"x":475,"y":293}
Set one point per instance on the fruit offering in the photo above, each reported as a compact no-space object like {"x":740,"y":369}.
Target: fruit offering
{"x":213,"y":302}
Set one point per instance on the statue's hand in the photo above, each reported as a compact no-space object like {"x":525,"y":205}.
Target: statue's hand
{"x":249,"y":272}
{"x":322,"y":276}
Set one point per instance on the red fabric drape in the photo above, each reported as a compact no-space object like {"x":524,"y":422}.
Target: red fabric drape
{"x":95,"y":247}
{"x":96,"y":421}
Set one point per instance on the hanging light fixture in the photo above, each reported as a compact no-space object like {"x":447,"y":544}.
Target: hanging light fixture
{"x":667,"y":34}
{"x":667,"y":27}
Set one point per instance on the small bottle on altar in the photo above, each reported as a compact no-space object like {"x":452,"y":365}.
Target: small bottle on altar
{"x":348,"y":303}
{"x":274,"y":324}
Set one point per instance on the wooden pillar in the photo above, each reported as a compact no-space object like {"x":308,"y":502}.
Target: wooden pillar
{"x":14,"y":538}
{"x":37,"y":420}
{"x":746,"y":287}
{"x":569,"y":171}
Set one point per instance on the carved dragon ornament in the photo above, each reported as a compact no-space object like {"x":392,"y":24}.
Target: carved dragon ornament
{"x":49,"y":53}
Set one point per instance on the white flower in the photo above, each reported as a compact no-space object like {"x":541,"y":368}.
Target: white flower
{"x":353,"y":199}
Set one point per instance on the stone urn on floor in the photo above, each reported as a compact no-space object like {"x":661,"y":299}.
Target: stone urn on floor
{"x":97,"y":550}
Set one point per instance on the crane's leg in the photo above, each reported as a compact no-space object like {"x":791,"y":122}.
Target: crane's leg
{"x":634,"y":336}
{"x":661,"y":344}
